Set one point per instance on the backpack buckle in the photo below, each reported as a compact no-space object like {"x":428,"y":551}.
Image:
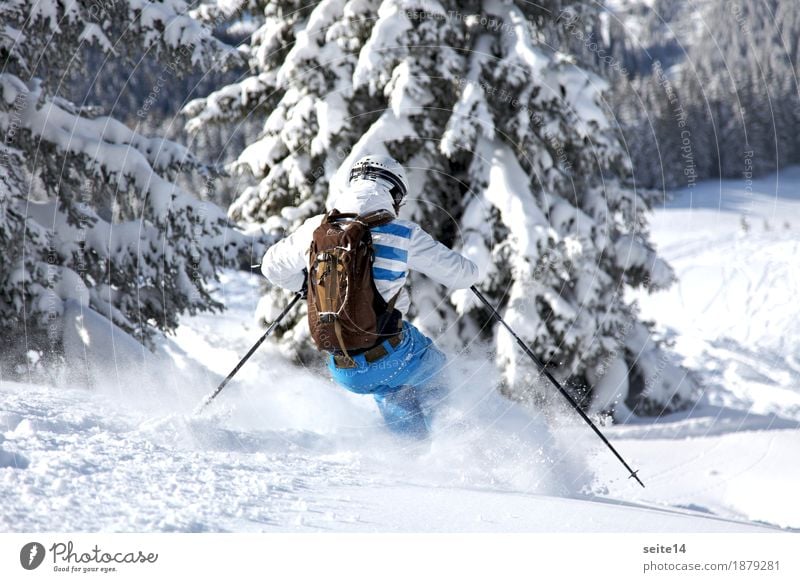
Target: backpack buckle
{"x":327,"y":317}
{"x":343,"y":361}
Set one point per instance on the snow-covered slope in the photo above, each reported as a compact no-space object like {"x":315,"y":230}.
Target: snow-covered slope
{"x":734,"y":311}
{"x":285,"y":449}
{"x":733,"y":316}
{"x":86,"y":464}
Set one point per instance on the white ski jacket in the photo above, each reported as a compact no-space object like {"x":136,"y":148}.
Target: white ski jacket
{"x":399,"y":246}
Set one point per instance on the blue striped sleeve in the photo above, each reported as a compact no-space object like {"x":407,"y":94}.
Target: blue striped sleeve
{"x":393,"y":228}
{"x":387,"y":274}
{"x":391,"y":253}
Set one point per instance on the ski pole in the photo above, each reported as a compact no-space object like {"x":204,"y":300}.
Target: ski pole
{"x":270,"y":329}
{"x":555,"y":383}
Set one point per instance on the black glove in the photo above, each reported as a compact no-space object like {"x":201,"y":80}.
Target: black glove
{"x":304,"y":290}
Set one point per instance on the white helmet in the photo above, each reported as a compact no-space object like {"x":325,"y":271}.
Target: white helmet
{"x":374,"y":167}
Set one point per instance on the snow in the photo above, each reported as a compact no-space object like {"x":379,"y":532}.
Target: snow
{"x":110,"y":145}
{"x":284,"y":449}
{"x":260,"y":155}
{"x":93,"y":33}
{"x":631,"y":254}
{"x":509,"y":191}
{"x":46,"y":10}
{"x":611,"y":386}
{"x":308,"y":41}
{"x":471,"y":115}
{"x":224,"y":102}
{"x":331,"y":115}
{"x":381,"y":52}
{"x":532,"y":56}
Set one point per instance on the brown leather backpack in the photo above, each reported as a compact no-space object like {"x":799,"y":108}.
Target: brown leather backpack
{"x":344,"y":306}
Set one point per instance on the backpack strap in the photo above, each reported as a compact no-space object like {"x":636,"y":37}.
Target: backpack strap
{"x":335,"y":215}
{"x":392,"y":301}
{"x":337,"y":329}
{"x":379,"y":218}
{"x":375,"y":218}
{"x":370,"y":219}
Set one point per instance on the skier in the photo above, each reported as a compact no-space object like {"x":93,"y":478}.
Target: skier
{"x":353,"y":263}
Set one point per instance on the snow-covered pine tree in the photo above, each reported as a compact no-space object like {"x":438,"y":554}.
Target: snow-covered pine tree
{"x":91,"y":222}
{"x":512,"y":159}
{"x":732,"y":68}
{"x":741,"y":74}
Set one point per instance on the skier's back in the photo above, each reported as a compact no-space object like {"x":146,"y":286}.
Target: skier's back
{"x":402,"y":370}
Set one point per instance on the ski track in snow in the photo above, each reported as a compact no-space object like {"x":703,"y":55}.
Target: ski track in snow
{"x":284,"y":449}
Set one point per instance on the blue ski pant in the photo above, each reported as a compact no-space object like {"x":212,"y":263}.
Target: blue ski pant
{"x":406,"y":383}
